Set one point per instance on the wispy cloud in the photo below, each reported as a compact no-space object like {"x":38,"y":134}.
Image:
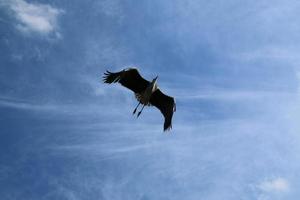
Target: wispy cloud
{"x":275,"y":185}
{"x":277,"y":53}
{"x":35,"y":17}
{"x":222,"y":94}
{"x":24,"y":105}
{"x":54,"y":107}
{"x":110,"y":8}
{"x":99,"y":109}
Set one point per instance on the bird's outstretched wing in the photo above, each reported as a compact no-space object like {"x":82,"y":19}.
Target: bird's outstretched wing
{"x":166,"y":105}
{"x":129,"y":78}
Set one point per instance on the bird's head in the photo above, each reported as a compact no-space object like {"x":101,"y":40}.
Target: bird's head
{"x":155,"y":79}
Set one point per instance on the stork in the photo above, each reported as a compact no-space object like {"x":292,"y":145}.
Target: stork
{"x":147,"y":93}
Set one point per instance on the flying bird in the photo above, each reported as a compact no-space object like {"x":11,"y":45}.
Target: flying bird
{"x":147,"y":93}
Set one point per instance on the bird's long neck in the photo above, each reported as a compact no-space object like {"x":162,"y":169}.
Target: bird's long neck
{"x":153,"y":86}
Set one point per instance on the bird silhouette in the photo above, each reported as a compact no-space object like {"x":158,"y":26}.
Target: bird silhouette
{"x":147,"y":93}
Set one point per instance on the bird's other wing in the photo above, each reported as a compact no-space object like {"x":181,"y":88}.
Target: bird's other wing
{"x":129,"y":78}
{"x":166,"y":105}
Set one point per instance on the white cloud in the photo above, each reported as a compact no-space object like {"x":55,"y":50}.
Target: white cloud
{"x":275,"y":185}
{"x":33,"y":17}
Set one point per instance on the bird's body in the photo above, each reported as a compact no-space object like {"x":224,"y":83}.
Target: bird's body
{"x":144,"y":97}
{"x":147,"y":93}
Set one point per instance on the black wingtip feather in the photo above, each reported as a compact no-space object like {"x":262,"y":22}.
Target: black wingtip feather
{"x":167,"y":128}
{"x":110,"y":77}
{"x":167,"y":125}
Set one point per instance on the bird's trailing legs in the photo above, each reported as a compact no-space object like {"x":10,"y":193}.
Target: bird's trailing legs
{"x":140,"y":111}
{"x":136,"y":108}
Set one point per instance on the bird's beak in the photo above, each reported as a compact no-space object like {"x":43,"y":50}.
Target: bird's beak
{"x":156,"y":77}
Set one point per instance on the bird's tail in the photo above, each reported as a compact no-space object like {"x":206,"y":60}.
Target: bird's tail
{"x":110,"y":77}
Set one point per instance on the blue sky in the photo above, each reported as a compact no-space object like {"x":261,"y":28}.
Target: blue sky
{"x":233,"y":67}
